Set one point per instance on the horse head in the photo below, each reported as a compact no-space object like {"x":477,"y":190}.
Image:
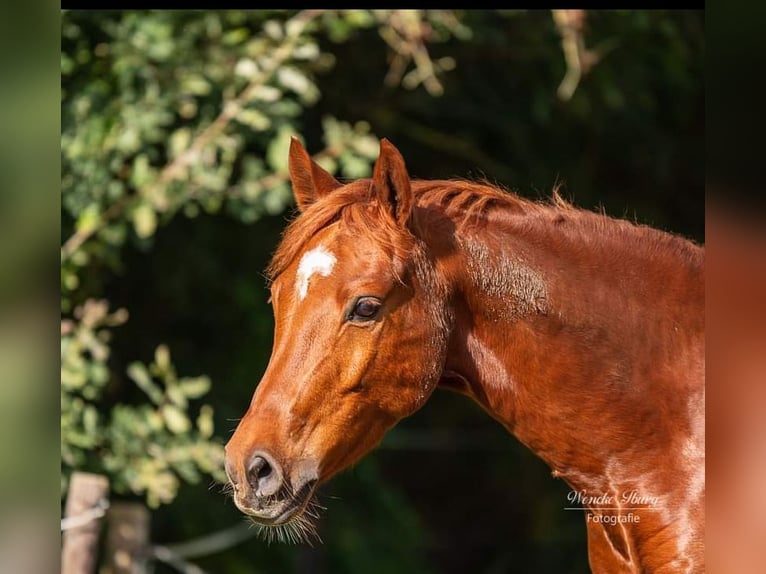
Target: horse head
{"x":361,"y":326}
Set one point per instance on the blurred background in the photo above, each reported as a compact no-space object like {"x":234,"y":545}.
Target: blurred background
{"x":174,"y":135}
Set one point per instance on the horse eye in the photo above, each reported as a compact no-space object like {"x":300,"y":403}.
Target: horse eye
{"x":365,"y":308}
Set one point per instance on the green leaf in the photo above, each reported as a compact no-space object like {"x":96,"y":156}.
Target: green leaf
{"x":308,"y":51}
{"x":367,"y":146}
{"x":73,"y":378}
{"x":276,"y":156}
{"x":354,"y":167}
{"x":205,"y":422}
{"x":267,"y":93}
{"x":90,"y":420}
{"x":195,"y":84}
{"x":195,"y":387}
{"x":179,"y":141}
{"x":293,"y":79}
{"x":142,"y":172}
{"x":175,"y":419}
{"x":89,"y":219}
{"x":273,"y":29}
{"x":99,"y":373}
{"x":162,"y":358}
{"x":254,"y":119}
{"x":236,"y":36}
{"x":140,"y":375}
{"x":328,"y":163}
{"x":144,"y":220}
{"x":176,"y":396}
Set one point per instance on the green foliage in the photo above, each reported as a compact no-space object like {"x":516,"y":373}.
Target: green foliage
{"x":84,"y":373}
{"x":145,"y":448}
{"x":165,"y":112}
{"x":152,"y":445}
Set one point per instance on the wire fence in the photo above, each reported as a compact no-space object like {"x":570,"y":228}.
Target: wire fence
{"x":177,"y":555}
{"x":98,"y":511}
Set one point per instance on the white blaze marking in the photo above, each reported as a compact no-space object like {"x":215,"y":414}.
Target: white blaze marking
{"x":318,"y":260}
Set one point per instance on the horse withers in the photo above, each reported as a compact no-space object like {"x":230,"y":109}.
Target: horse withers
{"x":583,"y":335}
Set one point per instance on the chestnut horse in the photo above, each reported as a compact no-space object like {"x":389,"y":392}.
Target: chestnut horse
{"x":581,"y":334}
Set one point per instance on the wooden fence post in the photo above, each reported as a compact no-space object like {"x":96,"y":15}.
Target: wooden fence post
{"x":127,"y":538}
{"x":79,"y":554}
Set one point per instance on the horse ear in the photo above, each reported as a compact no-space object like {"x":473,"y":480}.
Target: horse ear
{"x":392,"y":183}
{"x":310,"y":180}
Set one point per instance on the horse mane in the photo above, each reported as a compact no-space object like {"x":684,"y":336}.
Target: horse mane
{"x":354,"y":202}
{"x":466,"y":202}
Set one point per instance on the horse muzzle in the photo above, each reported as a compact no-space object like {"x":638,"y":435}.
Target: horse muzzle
{"x":266,"y":493}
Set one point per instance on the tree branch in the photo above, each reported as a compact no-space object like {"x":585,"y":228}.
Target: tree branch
{"x":570,"y":25}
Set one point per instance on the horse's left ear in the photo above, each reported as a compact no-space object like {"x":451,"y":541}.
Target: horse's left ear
{"x":310,"y":181}
{"x":392,"y":183}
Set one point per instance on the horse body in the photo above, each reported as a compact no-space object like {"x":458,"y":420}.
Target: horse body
{"x":582,"y":335}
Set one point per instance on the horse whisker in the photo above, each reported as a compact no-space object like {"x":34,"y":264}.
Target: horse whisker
{"x":301,"y":529}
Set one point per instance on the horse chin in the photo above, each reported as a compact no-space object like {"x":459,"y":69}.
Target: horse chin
{"x":288,"y":507}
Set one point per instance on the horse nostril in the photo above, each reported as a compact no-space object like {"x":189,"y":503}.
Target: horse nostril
{"x":263,"y":475}
{"x":260,"y":469}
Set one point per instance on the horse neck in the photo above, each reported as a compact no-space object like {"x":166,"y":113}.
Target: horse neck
{"x":578,"y":333}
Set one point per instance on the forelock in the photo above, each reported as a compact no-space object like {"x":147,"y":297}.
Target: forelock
{"x":356,"y":209}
